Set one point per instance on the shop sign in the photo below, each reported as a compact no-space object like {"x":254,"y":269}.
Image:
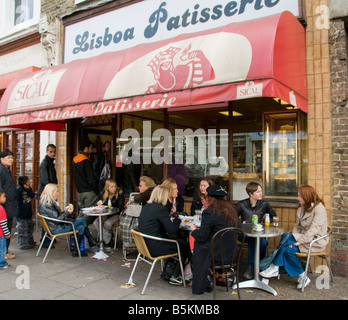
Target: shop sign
{"x":155,"y":20}
{"x":38,"y":90}
{"x":249,"y":90}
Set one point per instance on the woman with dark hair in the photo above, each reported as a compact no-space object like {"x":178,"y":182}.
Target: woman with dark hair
{"x":219,"y":215}
{"x":200,"y":199}
{"x":311,"y":223}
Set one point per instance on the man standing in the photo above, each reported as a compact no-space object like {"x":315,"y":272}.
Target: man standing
{"x":47,"y":171}
{"x":8,"y":184}
{"x":86,"y":183}
{"x":47,"y":174}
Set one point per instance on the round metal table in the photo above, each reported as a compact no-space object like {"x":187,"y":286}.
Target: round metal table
{"x":100,"y":213}
{"x":268,"y":232}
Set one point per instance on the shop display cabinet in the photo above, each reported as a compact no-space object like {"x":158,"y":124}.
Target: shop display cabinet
{"x":285,"y":155}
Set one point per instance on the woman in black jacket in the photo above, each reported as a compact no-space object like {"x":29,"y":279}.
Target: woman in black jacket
{"x":219,"y":215}
{"x":200,"y":199}
{"x":155,"y":221}
{"x":49,"y":207}
{"x":111,"y":196}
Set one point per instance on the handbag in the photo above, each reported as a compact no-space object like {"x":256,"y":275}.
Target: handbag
{"x":266,"y":261}
{"x":133,"y":210}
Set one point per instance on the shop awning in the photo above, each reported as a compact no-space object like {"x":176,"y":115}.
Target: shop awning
{"x":259,"y":58}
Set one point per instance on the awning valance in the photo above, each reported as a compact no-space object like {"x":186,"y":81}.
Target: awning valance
{"x":259,"y":58}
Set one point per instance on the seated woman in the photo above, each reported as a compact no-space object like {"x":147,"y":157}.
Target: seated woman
{"x":146,"y":185}
{"x":49,"y":207}
{"x":246,"y":209}
{"x":175,"y":203}
{"x":200,"y":199}
{"x":112,"y":196}
{"x":155,"y":221}
{"x":311,"y":223}
{"x":219,"y":215}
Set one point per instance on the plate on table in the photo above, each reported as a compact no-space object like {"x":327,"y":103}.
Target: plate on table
{"x":92,"y":209}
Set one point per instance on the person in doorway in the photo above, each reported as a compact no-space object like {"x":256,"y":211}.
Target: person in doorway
{"x":102,"y":166}
{"x":311,"y":223}
{"x":86,"y":183}
{"x":8,"y":184}
{"x":254,"y":205}
{"x":25,"y":224}
{"x":47,"y":170}
{"x":49,"y":207}
{"x":4,"y":232}
{"x":219,"y":215}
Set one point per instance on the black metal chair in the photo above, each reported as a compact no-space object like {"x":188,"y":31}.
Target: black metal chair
{"x":223,"y":269}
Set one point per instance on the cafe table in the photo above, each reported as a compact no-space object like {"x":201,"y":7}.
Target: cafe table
{"x":100,"y":213}
{"x":266,"y":232}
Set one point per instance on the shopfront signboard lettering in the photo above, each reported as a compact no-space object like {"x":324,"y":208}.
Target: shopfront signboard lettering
{"x":155,"y":20}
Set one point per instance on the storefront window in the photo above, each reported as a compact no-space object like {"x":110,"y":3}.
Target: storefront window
{"x":282,"y":146}
{"x":24,"y":155}
{"x":199,"y":148}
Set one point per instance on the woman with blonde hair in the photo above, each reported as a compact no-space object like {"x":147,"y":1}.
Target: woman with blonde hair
{"x":49,"y":207}
{"x":155,"y":221}
{"x":175,"y":203}
{"x":311,"y":223}
{"x":111,"y":196}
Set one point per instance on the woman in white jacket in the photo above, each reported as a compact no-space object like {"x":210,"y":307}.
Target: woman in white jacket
{"x":311,"y":223}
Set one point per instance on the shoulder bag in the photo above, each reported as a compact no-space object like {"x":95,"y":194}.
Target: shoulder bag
{"x":266,"y":261}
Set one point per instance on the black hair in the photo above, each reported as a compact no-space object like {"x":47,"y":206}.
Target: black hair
{"x":2,"y":192}
{"x":85,"y":144}
{"x":22,"y":180}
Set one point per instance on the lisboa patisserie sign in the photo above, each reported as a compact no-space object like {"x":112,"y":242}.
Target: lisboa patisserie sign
{"x":154,"y":20}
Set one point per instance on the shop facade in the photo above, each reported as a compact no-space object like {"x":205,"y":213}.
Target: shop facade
{"x":211,"y":97}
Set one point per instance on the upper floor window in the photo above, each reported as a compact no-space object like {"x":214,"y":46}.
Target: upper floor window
{"x":18,"y":15}
{"x":24,"y":11}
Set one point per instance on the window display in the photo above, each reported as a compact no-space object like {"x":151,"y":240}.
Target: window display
{"x":282,"y":145}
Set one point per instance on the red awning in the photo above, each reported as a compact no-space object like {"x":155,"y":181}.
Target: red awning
{"x":259,"y":58}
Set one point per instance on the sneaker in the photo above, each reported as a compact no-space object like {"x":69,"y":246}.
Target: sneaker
{"x":306,"y":282}
{"x":6,"y":266}
{"x":249,"y":273}
{"x":270,"y":272}
{"x":300,"y":278}
{"x":176,"y":281}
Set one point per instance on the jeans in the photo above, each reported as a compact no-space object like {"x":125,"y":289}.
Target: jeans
{"x":79,"y":224}
{"x":3,"y":251}
{"x":251,"y":249}
{"x":286,"y":258}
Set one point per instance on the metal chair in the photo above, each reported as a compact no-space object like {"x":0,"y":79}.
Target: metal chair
{"x":232,"y":267}
{"x":54,"y":236}
{"x":115,"y":229}
{"x":144,"y":255}
{"x":309,"y":254}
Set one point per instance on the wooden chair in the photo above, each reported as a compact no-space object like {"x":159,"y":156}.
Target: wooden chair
{"x":309,"y":254}
{"x":231,"y":268}
{"x":144,"y":255}
{"x":54,"y":236}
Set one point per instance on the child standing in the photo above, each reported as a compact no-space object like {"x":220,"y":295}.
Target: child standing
{"x":25,"y":225}
{"x":4,"y":232}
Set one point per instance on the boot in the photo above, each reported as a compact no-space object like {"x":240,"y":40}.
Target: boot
{"x":75,"y":252}
{"x":91,"y":241}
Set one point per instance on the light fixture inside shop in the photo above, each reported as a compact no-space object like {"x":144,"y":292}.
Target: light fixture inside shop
{"x":235,"y":113}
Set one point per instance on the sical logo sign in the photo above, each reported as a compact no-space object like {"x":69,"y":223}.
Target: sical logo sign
{"x":36,"y":91}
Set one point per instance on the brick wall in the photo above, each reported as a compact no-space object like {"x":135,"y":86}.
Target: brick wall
{"x":339,"y":109}
{"x":319,"y":108}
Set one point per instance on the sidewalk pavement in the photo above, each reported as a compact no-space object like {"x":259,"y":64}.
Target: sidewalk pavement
{"x":63,"y":277}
